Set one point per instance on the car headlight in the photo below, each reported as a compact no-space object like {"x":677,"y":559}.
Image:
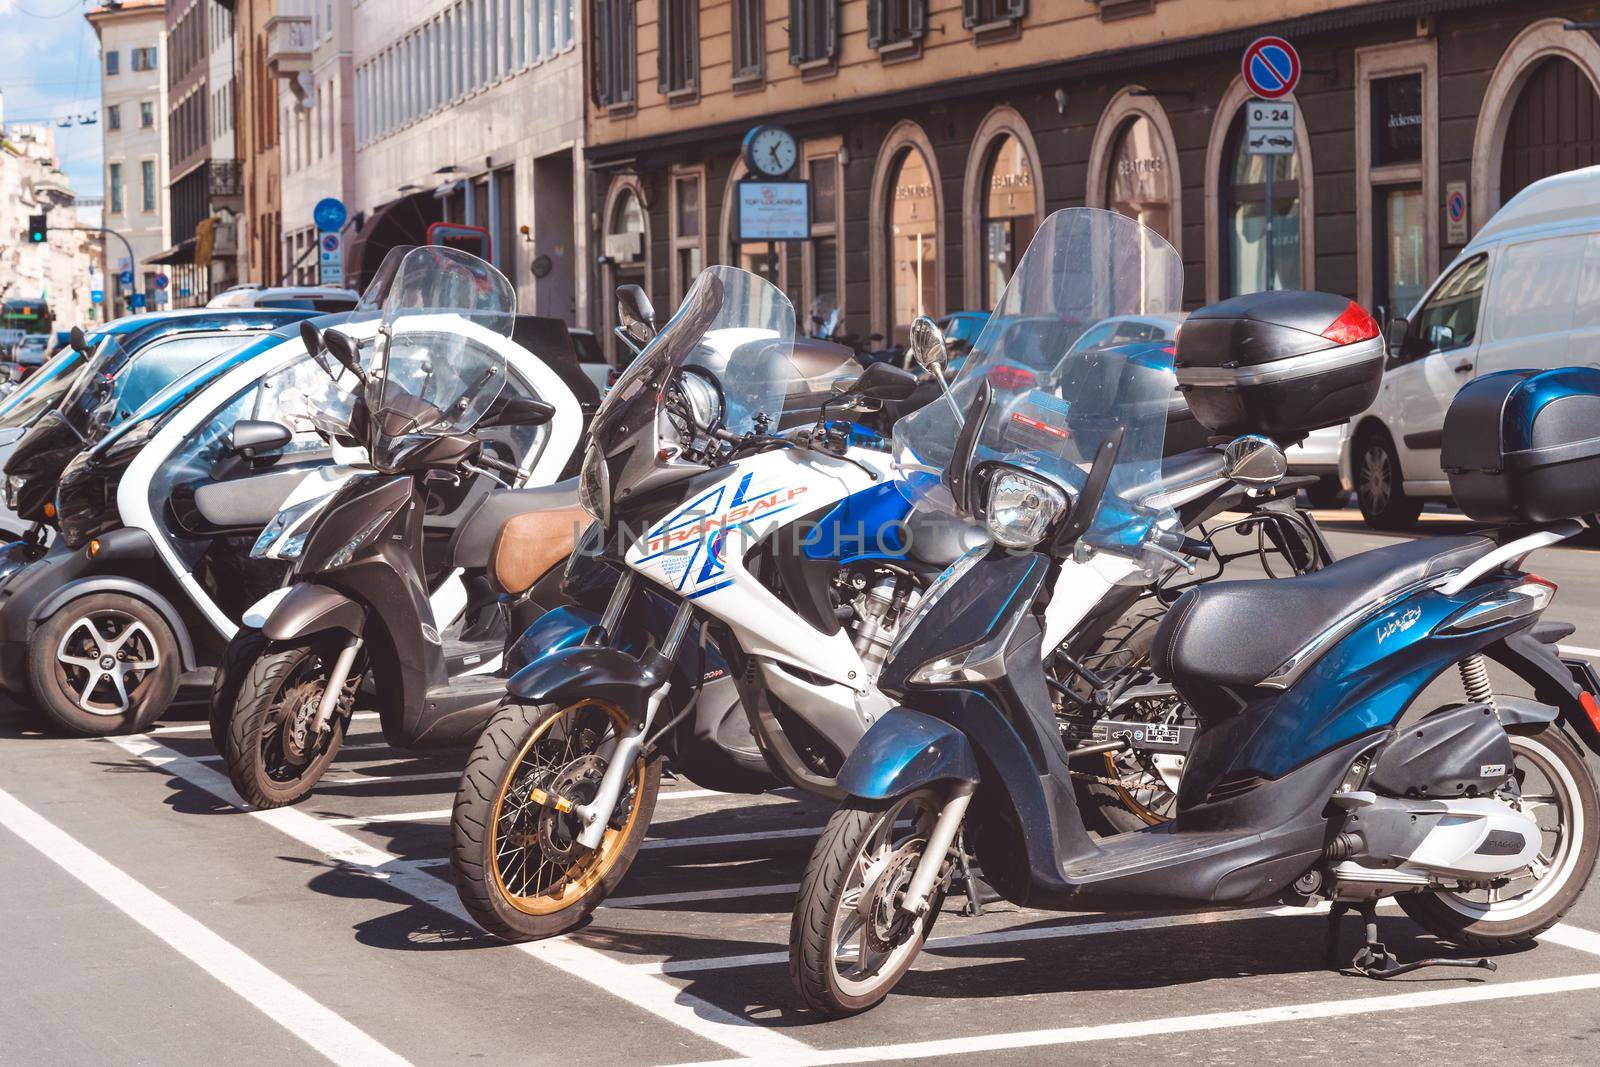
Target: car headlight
{"x":268,"y":545}
{"x":594,"y":485}
{"x":1021,"y":508}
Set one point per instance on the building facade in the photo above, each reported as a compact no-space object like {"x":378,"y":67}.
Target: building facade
{"x":259,"y":40}
{"x":471,"y":112}
{"x":53,"y":279}
{"x":318,"y":129}
{"x":938,"y":134}
{"x":134,"y":115}
{"x":205,"y":194}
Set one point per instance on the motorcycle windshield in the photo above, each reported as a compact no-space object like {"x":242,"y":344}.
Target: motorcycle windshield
{"x":737,"y":331}
{"x":1056,"y":393}
{"x":440,"y":359}
{"x":45,"y":387}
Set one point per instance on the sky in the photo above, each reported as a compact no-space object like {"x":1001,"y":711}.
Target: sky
{"x":50,"y":69}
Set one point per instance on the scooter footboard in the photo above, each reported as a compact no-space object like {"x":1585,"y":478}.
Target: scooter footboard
{"x":905,"y":750}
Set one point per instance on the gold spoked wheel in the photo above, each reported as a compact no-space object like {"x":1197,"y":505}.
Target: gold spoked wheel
{"x":538,"y":863}
{"x":515,"y":854}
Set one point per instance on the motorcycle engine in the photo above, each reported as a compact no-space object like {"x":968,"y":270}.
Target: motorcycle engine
{"x":880,"y":599}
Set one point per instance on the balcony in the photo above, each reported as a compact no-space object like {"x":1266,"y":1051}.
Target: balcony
{"x":289,"y":45}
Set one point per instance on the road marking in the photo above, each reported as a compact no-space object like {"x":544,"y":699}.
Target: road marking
{"x":653,"y":899}
{"x":712,"y":840}
{"x":1010,"y":935}
{"x":1572,"y":937}
{"x":330,"y":1034}
{"x":1182,"y":1024}
{"x":1580,"y":650}
{"x":694,"y":1014}
{"x":204,"y":727}
{"x":392,"y":779}
{"x":404,"y":816}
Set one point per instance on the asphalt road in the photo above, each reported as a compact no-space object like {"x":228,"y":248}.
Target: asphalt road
{"x":145,"y":917}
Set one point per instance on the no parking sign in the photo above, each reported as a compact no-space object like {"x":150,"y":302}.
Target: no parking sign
{"x":1271,"y":67}
{"x":1455,"y":213}
{"x":330,"y":259}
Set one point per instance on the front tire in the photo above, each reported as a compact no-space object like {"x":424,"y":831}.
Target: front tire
{"x":1559,"y":791}
{"x":273,"y":759}
{"x":1379,"y":489}
{"x":513,"y":855}
{"x":104,"y":664}
{"x":245,"y":648}
{"x":849,"y":943}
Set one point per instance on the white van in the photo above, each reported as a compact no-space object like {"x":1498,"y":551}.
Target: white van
{"x":1524,"y":293}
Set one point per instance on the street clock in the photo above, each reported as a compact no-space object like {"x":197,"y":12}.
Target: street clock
{"x":771,"y":151}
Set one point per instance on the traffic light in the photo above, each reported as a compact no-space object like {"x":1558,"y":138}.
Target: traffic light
{"x":38,"y":229}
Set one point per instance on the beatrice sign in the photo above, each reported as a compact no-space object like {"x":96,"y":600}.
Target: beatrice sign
{"x":774,"y":210}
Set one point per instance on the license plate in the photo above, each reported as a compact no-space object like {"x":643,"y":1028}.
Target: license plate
{"x":1146,"y":736}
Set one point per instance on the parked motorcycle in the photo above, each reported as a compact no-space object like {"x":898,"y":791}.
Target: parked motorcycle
{"x":753,"y":582}
{"x":1301,"y":786}
{"x":389,"y":561}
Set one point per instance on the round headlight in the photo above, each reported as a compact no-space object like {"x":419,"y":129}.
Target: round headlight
{"x":1021,"y":508}
{"x":704,"y":403}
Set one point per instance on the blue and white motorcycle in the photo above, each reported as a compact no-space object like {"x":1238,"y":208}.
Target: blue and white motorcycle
{"x":1317,"y":773}
{"x":751,"y":581}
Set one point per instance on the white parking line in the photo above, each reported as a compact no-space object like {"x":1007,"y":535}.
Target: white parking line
{"x":642,"y":990}
{"x":712,"y":840}
{"x":444,"y":813}
{"x":202,"y":727}
{"x":392,"y":779}
{"x":1572,"y":937}
{"x":326,"y":1032}
{"x":651,"y":900}
{"x":1580,"y":650}
{"x":1188,"y":1024}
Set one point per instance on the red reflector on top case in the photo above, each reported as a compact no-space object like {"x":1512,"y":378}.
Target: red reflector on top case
{"x":1352,"y":326}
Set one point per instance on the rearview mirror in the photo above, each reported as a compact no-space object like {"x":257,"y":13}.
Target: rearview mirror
{"x":252,"y":437}
{"x":1394,"y":337}
{"x":635,"y":314}
{"x":1255,"y":462}
{"x":885,"y":381}
{"x":519,"y":411}
{"x":343,"y":349}
{"x":311,"y":337}
{"x":928,"y":345}
{"x":77,"y":340}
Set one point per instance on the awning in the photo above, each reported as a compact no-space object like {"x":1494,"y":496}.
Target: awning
{"x":182,"y":252}
{"x":404,"y":221}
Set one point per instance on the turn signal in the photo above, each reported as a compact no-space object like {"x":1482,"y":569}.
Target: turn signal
{"x":49,"y":510}
{"x":94,"y":549}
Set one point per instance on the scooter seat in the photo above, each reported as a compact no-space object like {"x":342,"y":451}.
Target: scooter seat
{"x":1239,"y":633}
{"x":516,"y":535}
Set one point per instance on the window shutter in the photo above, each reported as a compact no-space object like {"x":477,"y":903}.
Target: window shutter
{"x":917,"y":19}
{"x":627,"y":78}
{"x":831,"y":45}
{"x":797,"y":33}
{"x":664,"y":44}
{"x":875,"y":14}
{"x":971,"y":13}
{"x":600,"y":76}
{"x":1018,"y":8}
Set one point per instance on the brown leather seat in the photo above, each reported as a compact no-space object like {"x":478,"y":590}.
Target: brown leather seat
{"x":529,"y":545}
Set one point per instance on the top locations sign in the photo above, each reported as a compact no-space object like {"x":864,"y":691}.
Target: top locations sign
{"x":774,"y":210}
{"x":1271,"y":67}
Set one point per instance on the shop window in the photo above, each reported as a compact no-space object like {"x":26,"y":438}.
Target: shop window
{"x":678,"y":57}
{"x":913,"y":244}
{"x":1008,"y":214}
{"x":895,"y":24}
{"x":613,"y":82}
{"x":1396,"y":119}
{"x":1400,"y":254}
{"x":822,"y":254}
{"x":688,"y":231}
{"x":749,"y":40}
{"x":813,"y":31}
{"x":1249,"y":264}
{"x":625,"y":239}
{"x":1139,"y":179}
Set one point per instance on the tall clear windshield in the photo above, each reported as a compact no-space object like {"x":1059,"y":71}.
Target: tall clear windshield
{"x":737,"y":330}
{"x":44,"y":387}
{"x":440,"y":360}
{"x":1055,"y":394}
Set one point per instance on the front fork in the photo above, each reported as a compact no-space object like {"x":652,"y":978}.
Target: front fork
{"x":940,"y":841}
{"x":595,"y":816}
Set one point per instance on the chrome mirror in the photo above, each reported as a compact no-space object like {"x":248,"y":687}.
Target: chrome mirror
{"x":1255,"y":462}
{"x":928,"y":346}
{"x":635,"y":316}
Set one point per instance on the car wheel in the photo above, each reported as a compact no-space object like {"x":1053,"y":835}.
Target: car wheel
{"x":104,"y":664}
{"x":1384,"y":504}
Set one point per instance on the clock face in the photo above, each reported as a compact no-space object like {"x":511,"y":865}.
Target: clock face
{"x":772,"y":151}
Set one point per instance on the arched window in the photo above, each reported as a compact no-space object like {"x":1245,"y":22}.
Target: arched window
{"x":1139,"y":177}
{"x":1008,"y":214}
{"x":1554,"y":127}
{"x":913,"y":243}
{"x":627,"y":252}
{"x":1247,"y":264}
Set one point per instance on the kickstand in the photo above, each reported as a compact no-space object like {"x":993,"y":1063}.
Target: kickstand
{"x":1373,"y":959}
{"x":972,"y":883}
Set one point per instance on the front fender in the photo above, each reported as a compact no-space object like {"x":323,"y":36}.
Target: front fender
{"x":309,"y":608}
{"x":586,"y":672}
{"x":906,"y":750}
{"x":556,"y":629}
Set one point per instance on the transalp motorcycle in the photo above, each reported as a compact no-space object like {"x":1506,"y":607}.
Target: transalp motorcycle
{"x":1314,"y":776}
{"x":378,"y":590}
{"x":752,"y":582}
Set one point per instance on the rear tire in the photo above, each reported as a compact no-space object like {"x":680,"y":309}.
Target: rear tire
{"x":524,"y":890}
{"x":839,"y":868}
{"x":1379,"y":489}
{"x":271,"y":762}
{"x":83,"y":665}
{"x":1515,"y":920}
